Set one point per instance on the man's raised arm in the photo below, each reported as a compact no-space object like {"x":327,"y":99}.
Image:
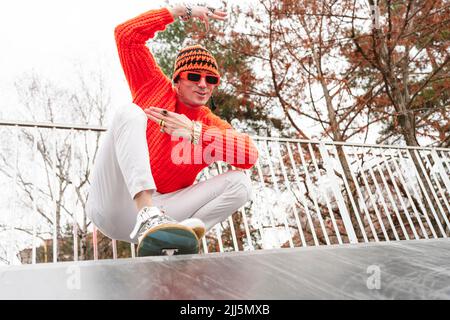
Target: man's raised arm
{"x":139,"y":66}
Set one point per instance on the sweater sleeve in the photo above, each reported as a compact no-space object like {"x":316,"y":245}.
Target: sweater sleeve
{"x":139,"y":66}
{"x":223,"y":143}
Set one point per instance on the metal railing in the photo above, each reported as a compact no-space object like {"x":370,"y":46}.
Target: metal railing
{"x":306,"y":193}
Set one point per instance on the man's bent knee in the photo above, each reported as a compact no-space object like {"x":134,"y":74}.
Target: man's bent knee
{"x":242,"y":184}
{"x":129,"y":112}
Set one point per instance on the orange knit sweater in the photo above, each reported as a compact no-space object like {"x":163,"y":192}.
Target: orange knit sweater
{"x":150,"y":87}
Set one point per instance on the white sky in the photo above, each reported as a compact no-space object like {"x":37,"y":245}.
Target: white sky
{"x":51,"y":36}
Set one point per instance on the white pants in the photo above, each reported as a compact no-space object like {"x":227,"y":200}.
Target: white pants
{"x":122,"y":169}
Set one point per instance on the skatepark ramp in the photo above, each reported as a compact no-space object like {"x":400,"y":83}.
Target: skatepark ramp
{"x":415,"y":269}
{"x":327,"y":204}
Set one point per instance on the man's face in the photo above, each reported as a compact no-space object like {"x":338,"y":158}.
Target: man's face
{"x":194,"y":94}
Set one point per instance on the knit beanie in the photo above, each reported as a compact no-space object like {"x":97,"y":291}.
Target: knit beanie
{"x":195,"y":58}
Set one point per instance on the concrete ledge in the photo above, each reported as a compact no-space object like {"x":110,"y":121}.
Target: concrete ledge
{"x":418,"y":269}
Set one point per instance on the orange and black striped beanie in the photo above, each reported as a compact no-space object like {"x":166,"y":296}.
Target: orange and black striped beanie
{"x":195,"y":58}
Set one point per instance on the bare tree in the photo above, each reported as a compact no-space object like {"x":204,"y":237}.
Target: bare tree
{"x":65,"y":156}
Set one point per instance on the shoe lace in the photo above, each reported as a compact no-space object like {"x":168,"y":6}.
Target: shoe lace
{"x":146,"y":220}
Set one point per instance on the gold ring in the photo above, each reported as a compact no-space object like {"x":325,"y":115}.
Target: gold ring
{"x":161,"y":124}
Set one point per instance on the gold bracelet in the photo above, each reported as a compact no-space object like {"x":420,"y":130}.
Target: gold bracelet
{"x":196,"y":132}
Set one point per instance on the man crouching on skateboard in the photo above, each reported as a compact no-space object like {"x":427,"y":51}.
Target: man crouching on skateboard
{"x":142,"y":187}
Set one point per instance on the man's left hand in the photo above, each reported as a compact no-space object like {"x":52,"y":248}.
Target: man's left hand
{"x":175,"y":124}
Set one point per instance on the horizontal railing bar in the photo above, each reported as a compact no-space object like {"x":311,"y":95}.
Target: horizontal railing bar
{"x":50,"y":125}
{"x":349,"y":144}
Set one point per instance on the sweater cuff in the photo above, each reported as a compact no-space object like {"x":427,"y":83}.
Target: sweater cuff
{"x":146,"y":24}
{"x":162,"y":17}
{"x":166,"y":17}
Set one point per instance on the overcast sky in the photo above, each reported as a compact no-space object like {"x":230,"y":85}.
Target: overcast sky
{"x":51,"y":36}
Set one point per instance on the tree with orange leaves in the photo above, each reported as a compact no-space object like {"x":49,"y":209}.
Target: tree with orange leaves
{"x":405,"y":56}
{"x":344,"y":66}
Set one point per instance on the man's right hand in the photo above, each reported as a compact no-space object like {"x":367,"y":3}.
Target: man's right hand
{"x":200,"y":12}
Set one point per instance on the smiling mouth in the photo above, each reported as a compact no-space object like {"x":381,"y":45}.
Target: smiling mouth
{"x":202,"y":94}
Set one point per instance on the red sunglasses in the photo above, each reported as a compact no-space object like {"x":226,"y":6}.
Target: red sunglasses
{"x":197,"y":76}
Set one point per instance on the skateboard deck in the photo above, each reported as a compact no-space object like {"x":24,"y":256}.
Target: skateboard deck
{"x":168,"y":239}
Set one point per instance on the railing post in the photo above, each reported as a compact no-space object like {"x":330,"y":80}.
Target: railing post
{"x":114,"y":248}
{"x":301,"y":195}
{"x":72,"y":179}
{"x":278,"y":192}
{"x":325,"y":195}
{"x":309,"y":184}
{"x":288,"y":187}
{"x":35,"y":212}
{"x":389,"y":193}
{"x":424,"y":185}
{"x":379,"y":193}
{"x":353,"y":197}
{"x":95,"y":242}
{"x":440,"y":167}
{"x":14,"y":204}
{"x":338,"y":194}
{"x":54,"y":182}
{"x":441,"y":191}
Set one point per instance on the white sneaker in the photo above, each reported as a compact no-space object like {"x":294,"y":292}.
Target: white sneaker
{"x":147,"y":218}
{"x":195,"y":224}
{"x":150,"y":217}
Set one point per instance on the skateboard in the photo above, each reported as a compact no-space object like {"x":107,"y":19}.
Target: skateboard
{"x":168,"y":240}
